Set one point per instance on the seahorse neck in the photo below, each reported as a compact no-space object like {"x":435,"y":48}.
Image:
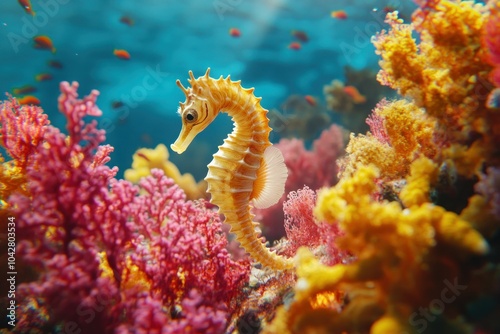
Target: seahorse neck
{"x":246,"y":112}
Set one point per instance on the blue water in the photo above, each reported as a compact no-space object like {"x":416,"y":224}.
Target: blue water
{"x":168,"y":39}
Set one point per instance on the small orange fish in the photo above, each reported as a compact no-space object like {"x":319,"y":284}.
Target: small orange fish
{"x":311,"y":100}
{"x":26,"y":4}
{"x":122,"y":54}
{"x":127,"y":20}
{"x":339,"y":14}
{"x":26,"y":89}
{"x":295,"y":46}
{"x":55,"y":64}
{"x":44,"y":43}
{"x":354,"y":93}
{"x":300,"y":35}
{"x":43,"y":77}
{"x":235,"y":32}
{"x":29,"y":99}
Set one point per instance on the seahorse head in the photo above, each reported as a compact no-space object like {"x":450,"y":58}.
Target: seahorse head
{"x":197,"y":112}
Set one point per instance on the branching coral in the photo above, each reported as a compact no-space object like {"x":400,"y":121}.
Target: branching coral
{"x":445,"y":73}
{"x":303,"y":229}
{"x":403,"y":133}
{"x":146,"y":159}
{"x":111,"y":255}
{"x":21,"y":131}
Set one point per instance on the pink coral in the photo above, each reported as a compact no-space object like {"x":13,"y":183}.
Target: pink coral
{"x":376,"y":123}
{"x":22,"y":129}
{"x":491,"y":41}
{"x":300,"y":225}
{"x":302,"y":228}
{"x":113,"y":256}
{"x":315,"y":169}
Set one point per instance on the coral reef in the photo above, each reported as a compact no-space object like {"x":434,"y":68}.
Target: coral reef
{"x":416,"y":245}
{"x":144,"y":160}
{"x":444,"y":73}
{"x":421,"y":263}
{"x":405,"y":239}
{"x":111,"y":255}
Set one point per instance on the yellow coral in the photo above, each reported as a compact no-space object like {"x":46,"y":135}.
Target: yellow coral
{"x":146,"y":159}
{"x":397,"y":250}
{"x":424,"y":172}
{"x":442,"y":72}
{"x":445,"y":74}
{"x":468,"y":160}
{"x":12,"y":179}
{"x":410,"y":130}
{"x":132,"y":277}
{"x":410,"y":133}
{"x":363,"y":150}
{"x":404,"y":250}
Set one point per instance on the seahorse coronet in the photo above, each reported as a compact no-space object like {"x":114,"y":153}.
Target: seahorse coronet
{"x":233,"y":171}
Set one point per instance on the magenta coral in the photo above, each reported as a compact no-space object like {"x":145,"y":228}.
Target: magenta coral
{"x":113,"y":256}
{"x":180,"y":246}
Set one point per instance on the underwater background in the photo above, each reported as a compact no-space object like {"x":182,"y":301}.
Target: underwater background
{"x":166,"y":39}
{"x":385,"y":118}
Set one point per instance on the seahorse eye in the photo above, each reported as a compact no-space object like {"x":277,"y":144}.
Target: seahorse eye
{"x":191,"y":116}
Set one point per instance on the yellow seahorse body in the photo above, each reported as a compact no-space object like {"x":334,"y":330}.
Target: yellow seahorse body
{"x":247,"y":170}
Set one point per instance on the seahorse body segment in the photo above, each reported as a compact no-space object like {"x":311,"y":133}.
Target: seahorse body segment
{"x":247,"y":170}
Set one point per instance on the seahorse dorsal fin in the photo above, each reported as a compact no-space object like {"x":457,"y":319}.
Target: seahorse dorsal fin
{"x":271,"y":177}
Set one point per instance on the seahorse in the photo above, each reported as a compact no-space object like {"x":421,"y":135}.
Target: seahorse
{"x":247,"y":170}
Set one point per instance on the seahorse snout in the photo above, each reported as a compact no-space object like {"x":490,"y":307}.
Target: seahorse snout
{"x":185,"y":138}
